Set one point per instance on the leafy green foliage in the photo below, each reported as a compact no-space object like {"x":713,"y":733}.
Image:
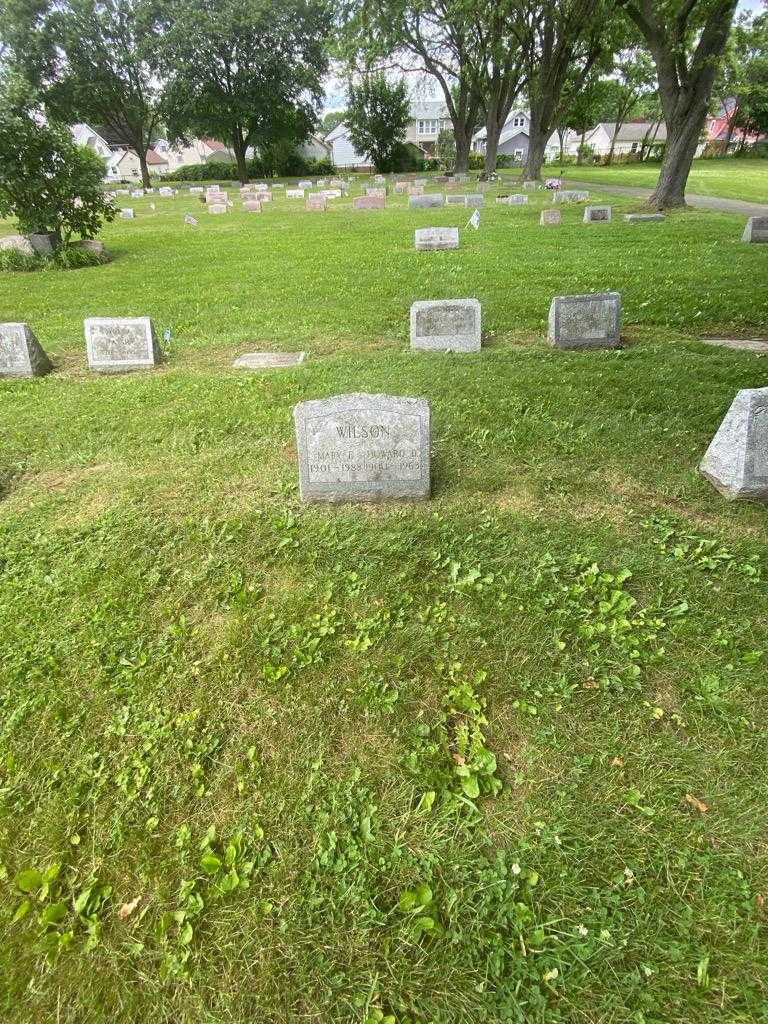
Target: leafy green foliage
{"x":47,"y":183}
{"x":378,"y":113}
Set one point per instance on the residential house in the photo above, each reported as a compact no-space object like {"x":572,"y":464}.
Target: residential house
{"x":122,"y":162}
{"x":630,"y":138}
{"x":343,"y":152}
{"x":428,"y":119}
{"x":717,"y":125}
{"x":513,"y":140}
{"x":197,"y":151}
{"x":316,"y":148}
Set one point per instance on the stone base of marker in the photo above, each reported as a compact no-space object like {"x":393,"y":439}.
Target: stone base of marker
{"x":550,"y":218}
{"x":643,"y":218}
{"x":585,"y":321}
{"x":446,"y":325}
{"x":121,"y":344}
{"x":268,"y":360}
{"x":736,"y":462}
{"x":436,"y":238}
{"x":595,"y":214}
{"x":756,"y":230}
{"x":369,"y":202}
{"x":21,"y":354}
{"x":363,"y":448}
{"x":738,"y":344}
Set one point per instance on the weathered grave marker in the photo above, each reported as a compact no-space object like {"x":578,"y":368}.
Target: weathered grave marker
{"x":369,"y":202}
{"x":217,"y":207}
{"x":585,"y":321}
{"x":21,"y":354}
{"x":518,"y":199}
{"x":550,"y":218}
{"x":294,"y":193}
{"x":643,"y":218}
{"x":425,"y":202}
{"x":115,"y":344}
{"x":126,"y":213}
{"x":756,"y":230}
{"x":593,"y":214}
{"x":252,"y":206}
{"x":362,"y":447}
{"x":736,"y":462}
{"x":268,"y":360}
{"x":436,"y":238}
{"x":446,"y":325}
{"x":316,"y":201}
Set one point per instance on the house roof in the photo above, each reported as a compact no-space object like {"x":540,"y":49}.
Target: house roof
{"x":337,"y":133}
{"x":214,"y":145}
{"x":481,"y":133}
{"x":429,"y":109}
{"x":633,"y":131}
{"x":154,"y":158}
{"x":113,"y":138}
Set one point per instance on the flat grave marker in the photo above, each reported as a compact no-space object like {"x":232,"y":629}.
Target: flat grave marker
{"x":550,"y":218}
{"x":369,"y":202}
{"x":594,"y":214}
{"x":268,"y":360}
{"x":643,"y":218}
{"x":425,"y":202}
{"x":756,"y":230}
{"x":426,"y":239}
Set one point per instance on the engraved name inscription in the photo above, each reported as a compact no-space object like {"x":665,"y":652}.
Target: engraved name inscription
{"x":353,"y":447}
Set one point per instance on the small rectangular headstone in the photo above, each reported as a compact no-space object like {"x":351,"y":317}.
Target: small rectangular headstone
{"x":593,"y":214}
{"x":736,"y":462}
{"x":369,"y":203}
{"x":550,"y":218}
{"x":585,"y":321}
{"x":138,"y":193}
{"x":115,"y":344}
{"x":756,"y":230}
{"x":455,"y":201}
{"x":252,"y":206}
{"x":294,"y":193}
{"x":531,"y":185}
{"x":316,"y":201}
{"x":425,"y":202}
{"x":474,"y":199}
{"x":376,"y":193}
{"x":126,"y":213}
{"x":196,"y":191}
{"x":401,"y":187}
{"x":321,"y":182}
{"x":415,"y":190}
{"x":21,"y":354}
{"x":436,"y":238}
{"x":362,"y":447}
{"x":446,"y":325}
{"x":263,"y":196}
{"x":332,"y":193}
{"x":570,"y":196}
{"x":304,"y":184}
{"x":217,"y":207}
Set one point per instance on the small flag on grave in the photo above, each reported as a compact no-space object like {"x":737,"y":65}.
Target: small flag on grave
{"x":474,"y":220}
{"x":189,"y":219}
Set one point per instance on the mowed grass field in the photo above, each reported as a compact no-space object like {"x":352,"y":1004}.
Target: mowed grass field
{"x":731,"y":178}
{"x":499,"y":756}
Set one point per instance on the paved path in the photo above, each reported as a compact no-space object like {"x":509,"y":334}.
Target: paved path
{"x":704,"y":202}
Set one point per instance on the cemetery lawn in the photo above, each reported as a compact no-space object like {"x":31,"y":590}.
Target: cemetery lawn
{"x":499,"y":756}
{"x":731,"y":178}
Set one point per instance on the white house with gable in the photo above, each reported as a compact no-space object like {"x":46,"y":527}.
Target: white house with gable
{"x":343,"y":152}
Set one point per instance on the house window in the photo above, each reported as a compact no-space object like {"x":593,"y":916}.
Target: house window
{"x":518,"y":154}
{"x":429,"y":126}
{"x":518,"y":122}
{"x":634,"y":148}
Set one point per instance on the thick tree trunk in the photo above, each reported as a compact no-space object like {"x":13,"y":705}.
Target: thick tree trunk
{"x":142,"y":155}
{"x":537,"y":143}
{"x":462,"y":133}
{"x":682,"y":140}
{"x":491,"y":153}
{"x":580,"y":154}
{"x":239,"y":147}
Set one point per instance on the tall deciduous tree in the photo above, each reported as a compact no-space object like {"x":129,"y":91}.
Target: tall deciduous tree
{"x":566,"y":38}
{"x":742,"y":77}
{"x":378,"y":113}
{"x":686,"y":39}
{"x":634,"y":78}
{"x":433,"y":37}
{"x":501,"y":30}
{"x":245,"y":72}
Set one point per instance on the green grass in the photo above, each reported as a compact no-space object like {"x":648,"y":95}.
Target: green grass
{"x":251,"y":715}
{"x":730,"y":178}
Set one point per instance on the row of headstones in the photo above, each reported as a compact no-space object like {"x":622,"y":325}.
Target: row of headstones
{"x":372,"y":447}
{"x":362,"y":447}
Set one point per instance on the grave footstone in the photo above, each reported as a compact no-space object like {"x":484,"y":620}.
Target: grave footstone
{"x":376,"y":193}
{"x":550,"y":218}
{"x":21,"y":354}
{"x":531,"y":186}
{"x":369,"y":203}
{"x":316,"y":202}
{"x":455,"y":200}
{"x":415,"y":190}
{"x":585,"y":321}
{"x":116,"y":344}
{"x":362,"y":447}
{"x":736,"y":462}
{"x":643,"y":218}
{"x":518,"y":199}
{"x":263,"y":196}
{"x":593,"y":214}
{"x":304,"y":184}
{"x":268,"y":360}
{"x":474,"y":199}
{"x":217,"y":208}
{"x":446,"y":325}
{"x":294,"y":193}
{"x":436,"y":238}
{"x":126,"y":213}
{"x":570,"y":196}
{"x":739,"y":344}
{"x":756,"y":230}
{"x":252,"y":206}
{"x":425,"y":202}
